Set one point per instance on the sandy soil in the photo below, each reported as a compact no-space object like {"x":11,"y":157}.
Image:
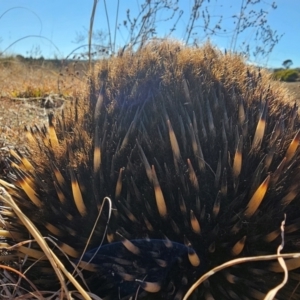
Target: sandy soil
{"x":15,"y":114}
{"x":294,"y":88}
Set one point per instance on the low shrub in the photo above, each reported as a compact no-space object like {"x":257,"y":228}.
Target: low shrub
{"x":286,"y":75}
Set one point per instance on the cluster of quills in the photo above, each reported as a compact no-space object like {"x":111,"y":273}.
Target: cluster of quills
{"x":199,"y":156}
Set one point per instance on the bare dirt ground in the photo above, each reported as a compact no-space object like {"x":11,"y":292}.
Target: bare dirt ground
{"x":294,"y":89}
{"x":16,"y":114}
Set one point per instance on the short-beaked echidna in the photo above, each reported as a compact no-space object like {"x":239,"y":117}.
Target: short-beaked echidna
{"x":199,"y":155}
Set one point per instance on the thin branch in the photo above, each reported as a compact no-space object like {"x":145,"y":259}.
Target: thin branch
{"x":108,"y":25}
{"x":91,"y":29}
{"x":30,"y":36}
{"x":116,"y":25}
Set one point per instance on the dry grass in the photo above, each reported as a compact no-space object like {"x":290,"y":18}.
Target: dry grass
{"x":36,"y":78}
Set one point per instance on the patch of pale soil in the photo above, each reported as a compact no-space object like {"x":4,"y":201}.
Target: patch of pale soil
{"x":15,"y":114}
{"x":294,"y":89}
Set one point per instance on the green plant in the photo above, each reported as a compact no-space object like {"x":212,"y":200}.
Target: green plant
{"x":286,"y":75}
{"x":287,"y":63}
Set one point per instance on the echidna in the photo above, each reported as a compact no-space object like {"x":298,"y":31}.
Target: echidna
{"x":199,"y":155}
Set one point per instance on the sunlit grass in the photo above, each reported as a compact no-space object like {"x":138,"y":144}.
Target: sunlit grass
{"x":26,"y":79}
